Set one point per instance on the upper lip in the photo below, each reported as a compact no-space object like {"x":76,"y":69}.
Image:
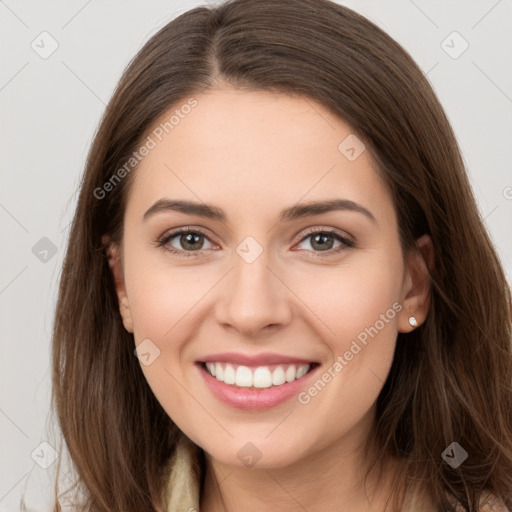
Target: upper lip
{"x":253,"y":360}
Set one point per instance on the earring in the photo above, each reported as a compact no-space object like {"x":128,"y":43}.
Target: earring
{"x":413,"y":321}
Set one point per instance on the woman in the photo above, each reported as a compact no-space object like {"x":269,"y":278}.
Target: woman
{"x":278,"y":293}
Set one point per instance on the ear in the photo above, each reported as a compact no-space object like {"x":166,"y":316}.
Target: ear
{"x":417,"y":284}
{"x":115,"y":264}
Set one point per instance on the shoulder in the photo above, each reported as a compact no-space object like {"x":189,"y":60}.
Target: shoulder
{"x":422,"y":502}
{"x":182,"y":490}
{"x":490,"y":503}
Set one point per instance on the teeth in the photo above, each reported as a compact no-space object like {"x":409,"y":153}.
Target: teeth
{"x":301,"y":372}
{"x":243,"y":377}
{"x":290,"y":374}
{"x":260,"y":377}
{"x":211,"y":368}
{"x":278,"y":376}
{"x":219,"y":372}
{"x":229,"y":375}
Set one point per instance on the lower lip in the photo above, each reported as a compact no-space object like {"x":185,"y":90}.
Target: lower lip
{"x":251,"y":399}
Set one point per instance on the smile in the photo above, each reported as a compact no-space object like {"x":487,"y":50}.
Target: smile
{"x":255,"y":388}
{"x":257,"y":377}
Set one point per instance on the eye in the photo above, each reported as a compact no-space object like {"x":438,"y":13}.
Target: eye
{"x":189,"y":242}
{"x":184,"y":241}
{"x":323,"y":241}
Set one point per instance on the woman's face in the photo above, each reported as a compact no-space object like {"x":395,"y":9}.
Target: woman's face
{"x":263,"y":273}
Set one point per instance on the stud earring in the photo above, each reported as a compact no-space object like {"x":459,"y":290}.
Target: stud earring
{"x":413,"y":321}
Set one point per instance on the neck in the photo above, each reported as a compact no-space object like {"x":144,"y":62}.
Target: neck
{"x":330,"y":479}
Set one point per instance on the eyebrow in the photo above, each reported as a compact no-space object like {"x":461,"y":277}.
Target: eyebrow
{"x":295,"y":212}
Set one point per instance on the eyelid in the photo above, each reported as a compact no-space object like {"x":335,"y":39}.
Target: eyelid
{"x":331,"y":231}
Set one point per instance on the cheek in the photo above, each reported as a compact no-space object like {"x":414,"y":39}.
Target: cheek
{"x":164,"y":297}
{"x":356,"y":312}
{"x":357,"y":315}
{"x":164,"y":304}
{"x":351,"y":311}
{"x":341,"y":304}
{"x":352,"y":298}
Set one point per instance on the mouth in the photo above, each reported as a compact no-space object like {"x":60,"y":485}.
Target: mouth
{"x":257,"y":377}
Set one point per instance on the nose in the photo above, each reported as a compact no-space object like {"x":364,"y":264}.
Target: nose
{"x":254,"y":299}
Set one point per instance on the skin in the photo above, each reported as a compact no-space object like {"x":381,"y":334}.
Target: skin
{"x":253,"y":154}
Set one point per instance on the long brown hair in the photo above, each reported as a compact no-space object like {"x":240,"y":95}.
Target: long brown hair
{"x":451,"y":379}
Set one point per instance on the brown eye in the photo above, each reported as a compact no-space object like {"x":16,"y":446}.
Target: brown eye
{"x":325,"y":240}
{"x":191,"y":241}
{"x":185,"y":240}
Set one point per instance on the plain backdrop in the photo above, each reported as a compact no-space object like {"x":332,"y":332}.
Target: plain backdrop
{"x":51,"y":106}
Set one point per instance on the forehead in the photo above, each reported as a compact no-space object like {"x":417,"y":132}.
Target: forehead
{"x":255,"y":149}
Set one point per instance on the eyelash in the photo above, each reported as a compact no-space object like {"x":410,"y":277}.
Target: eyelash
{"x":163,"y":241}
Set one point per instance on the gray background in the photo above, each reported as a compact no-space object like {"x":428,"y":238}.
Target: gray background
{"x":50,"y":110}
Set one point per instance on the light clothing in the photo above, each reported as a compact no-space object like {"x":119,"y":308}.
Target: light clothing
{"x":184,"y":484}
